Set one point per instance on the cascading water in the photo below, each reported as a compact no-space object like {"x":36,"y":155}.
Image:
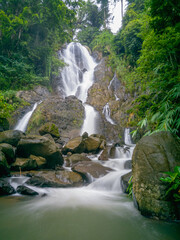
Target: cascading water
{"x":77,"y":77}
{"x":107,"y":114}
{"x":127,"y":137}
{"x":96,"y":211}
{"x":23,"y":122}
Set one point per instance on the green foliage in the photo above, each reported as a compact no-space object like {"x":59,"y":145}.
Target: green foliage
{"x":173,"y":181}
{"x":30,"y":33}
{"x":90,"y":19}
{"x":103,"y":42}
{"x":130,"y":187}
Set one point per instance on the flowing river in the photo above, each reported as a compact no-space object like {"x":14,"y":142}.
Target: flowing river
{"x":99,"y":211}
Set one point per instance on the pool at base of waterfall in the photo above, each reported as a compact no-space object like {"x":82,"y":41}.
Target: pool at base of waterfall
{"x":78,"y":214}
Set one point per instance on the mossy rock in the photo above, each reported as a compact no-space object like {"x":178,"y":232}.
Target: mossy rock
{"x":49,"y":128}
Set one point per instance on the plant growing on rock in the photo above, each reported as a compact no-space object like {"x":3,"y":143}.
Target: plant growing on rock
{"x":173,"y":181}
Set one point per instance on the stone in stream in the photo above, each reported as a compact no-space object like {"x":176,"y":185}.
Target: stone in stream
{"x":128,"y":164}
{"x":55,"y":179}
{"x":40,"y":146}
{"x":91,"y":144}
{"x":125,"y":181}
{"x":24,"y":190}
{"x":11,"y":137}
{"x":4,"y":167}
{"x":93,"y":169}
{"x":104,"y":155}
{"x":5,"y":188}
{"x":74,"y":158}
{"x":154,"y":155}
{"x":75,"y":145}
{"x":8,"y":151}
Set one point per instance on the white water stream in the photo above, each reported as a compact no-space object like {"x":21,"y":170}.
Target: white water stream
{"x":77,"y":77}
{"x":107,"y":114}
{"x":23,"y":122}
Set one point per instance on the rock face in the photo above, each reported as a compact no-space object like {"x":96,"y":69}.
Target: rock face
{"x":11,"y":137}
{"x":87,"y":169}
{"x":49,"y":128}
{"x":154,"y":155}
{"x":29,"y":98}
{"x":40,"y":146}
{"x":25,"y":164}
{"x":5,"y":188}
{"x":67,"y":114}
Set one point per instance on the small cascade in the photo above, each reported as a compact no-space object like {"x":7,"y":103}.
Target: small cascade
{"x":127,"y":137}
{"x":76,"y":79}
{"x":17,"y":181}
{"x":23,"y":122}
{"x":107,"y":114}
{"x":113,"y":85}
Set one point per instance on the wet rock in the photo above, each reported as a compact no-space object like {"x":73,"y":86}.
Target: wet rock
{"x":96,"y":170}
{"x":40,"y":146}
{"x":104,"y":155}
{"x":128,"y":164}
{"x":4,"y":167}
{"x":75,"y":145}
{"x":5,"y":188}
{"x":41,"y":162}
{"x":125,"y":181}
{"x":74,"y":158}
{"x":11,"y":137}
{"x":9,"y":152}
{"x":85,"y":135}
{"x":25,"y":164}
{"x":154,"y":155}
{"x":56,"y":179}
{"x":92,"y":144}
{"x":24,"y":190}
{"x":49,"y":128}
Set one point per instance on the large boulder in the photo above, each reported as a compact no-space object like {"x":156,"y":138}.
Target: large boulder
{"x":92,"y":144}
{"x":4,"y":167}
{"x":56,"y":179}
{"x":24,"y":164}
{"x":9,"y":152}
{"x":11,"y":137}
{"x":40,"y":146}
{"x":75,"y":145}
{"x":49,"y":128}
{"x":90,"y":169}
{"x":154,"y":155}
{"x":5,"y":188}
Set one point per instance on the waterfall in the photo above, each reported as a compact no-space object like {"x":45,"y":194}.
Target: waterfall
{"x":107,"y":114}
{"x":76,"y":79}
{"x":127,"y":137}
{"x":23,"y":122}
